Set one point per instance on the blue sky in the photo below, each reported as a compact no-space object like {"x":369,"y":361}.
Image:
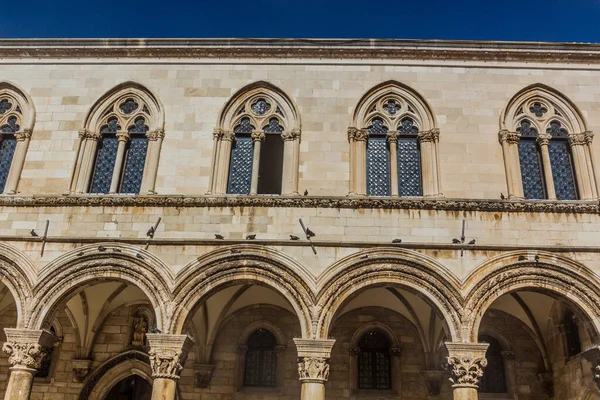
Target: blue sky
{"x":550,"y":20}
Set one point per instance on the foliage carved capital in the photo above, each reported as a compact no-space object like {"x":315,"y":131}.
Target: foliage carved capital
{"x":313,"y":369}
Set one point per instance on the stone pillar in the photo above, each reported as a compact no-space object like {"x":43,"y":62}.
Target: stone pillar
{"x":14,"y":174}
{"x":466,"y":362}
{"x":358,"y":160}
{"x":589,"y":137}
{"x":512,"y":166}
{"x":543,"y":140}
{"x":122,"y":137}
{"x":429,"y":162}
{"x":257,"y":138}
{"x":291,"y":154}
{"x":313,"y":366}
{"x":155,"y":139}
{"x":392,"y":139}
{"x":167,"y":355}
{"x":27,"y":349}
{"x":222,"y":163}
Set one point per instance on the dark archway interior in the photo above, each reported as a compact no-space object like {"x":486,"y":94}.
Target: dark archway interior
{"x":133,"y":387}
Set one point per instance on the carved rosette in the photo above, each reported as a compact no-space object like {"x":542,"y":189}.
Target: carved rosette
{"x":313,"y":369}
{"x":509,"y":137}
{"x":166,"y":364}
{"x":24,"y":355}
{"x":466,"y":371}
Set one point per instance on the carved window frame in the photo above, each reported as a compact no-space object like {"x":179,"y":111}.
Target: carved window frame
{"x":240,"y":359}
{"x":412,"y":106}
{"x":240,"y":107}
{"x":108,"y":107}
{"x":541,"y":106}
{"x":22,"y":109}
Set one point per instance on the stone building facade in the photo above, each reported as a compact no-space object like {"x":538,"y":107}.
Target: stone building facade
{"x":299,"y":219}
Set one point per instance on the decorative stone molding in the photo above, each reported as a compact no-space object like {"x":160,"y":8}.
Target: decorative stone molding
{"x":543,"y":139}
{"x":466,"y":362}
{"x":290,"y":135}
{"x":258,"y":136}
{"x":578,"y":139}
{"x":203,"y":374}
{"x":358,"y":134}
{"x":23,"y":135}
{"x":319,"y":348}
{"x":155,"y":134}
{"x":532,"y":206}
{"x":81,"y":369}
{"x":509,"y":137}
{"x":429,"y":136}
{"x":27,"y":348}
{"x":313,"y":369}
{"x":167,"y":354}
{"x":433,"y":381}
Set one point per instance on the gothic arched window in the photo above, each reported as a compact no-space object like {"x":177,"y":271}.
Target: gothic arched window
{"x":374,"y":364}
{"x":494,"y":376}
{"x":120,"y":145}
{"x":16,"y":123}
{"x":546,"y":148}
{"x":395,"y":133}
{"x":256,"y":146}
{"x":571,"y":333}
{"x":260,"y":365}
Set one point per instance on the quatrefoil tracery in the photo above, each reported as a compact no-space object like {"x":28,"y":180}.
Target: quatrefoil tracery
{"x":129,"y":112}
{"x":539,"y":115}
{"x":392,"y":113}
{"x":10,"y":114}
{"x":259,"y":112}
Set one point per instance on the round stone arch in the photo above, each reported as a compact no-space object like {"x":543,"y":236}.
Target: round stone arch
{"x":382,"y":267}
{"x":376,"y":326}
{"x":247,"y":264}
{"x":88,"y":265}
{"x":551,"y":273}
{"x":102,"y":379}
{"x":18,"y":274}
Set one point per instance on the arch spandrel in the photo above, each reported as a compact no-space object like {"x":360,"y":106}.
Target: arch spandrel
{"x":253,"y":264}
{"x":550,"y":273}
{"x":102,"y":262}
{"x":389,"y":267}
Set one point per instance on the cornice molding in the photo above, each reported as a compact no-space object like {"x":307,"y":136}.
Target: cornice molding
{"x":563,"y":207}
{"x":302,"y":48}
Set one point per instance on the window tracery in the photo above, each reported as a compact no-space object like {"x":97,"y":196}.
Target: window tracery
{"x":395,"y":135}
{"x":120,"y":145}
{"x":544,"y":136}
{"x":16,"y":123}
{"x":374,"y":362}
{"x":256,"y":144}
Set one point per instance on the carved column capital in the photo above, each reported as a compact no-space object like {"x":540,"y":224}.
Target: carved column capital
{"x":358,"y":134}
{"x":228,"y":136}
{"x":123,"y":136}
{"x":509,"y":137}
{"x":167,"y":354}
{"x":543,"y":139}
{"x":589,"y":136}
{"x":433,"y":381}
{"x":218,"y":133}
{"x":314,"y":369}
{"x":577,"y":139}
{"x":466,"y":362}
{"x":432,"y":135}
{"x":27,"y":348}
{"x":81,"y":369}
{"x":392,"y":137}
{"x":22,"y":135}
{"x":155,"y":134}
{"x":87,"y":134}
{"x":257,"y":136}
{"x":290,"y":135}
{"x":203,"y":374}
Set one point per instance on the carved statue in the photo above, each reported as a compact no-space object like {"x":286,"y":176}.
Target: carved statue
{"x":139,"y":330}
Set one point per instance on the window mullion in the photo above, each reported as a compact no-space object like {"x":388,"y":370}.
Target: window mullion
{"x":392,"y":138}
{"x":257,"y":138}
{"x":543,"y":140}
{"x":122,"y":137}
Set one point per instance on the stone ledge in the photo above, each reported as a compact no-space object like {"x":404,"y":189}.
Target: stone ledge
{"x":531,"y":206}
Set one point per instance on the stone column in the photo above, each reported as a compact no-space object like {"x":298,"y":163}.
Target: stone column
{"x":584,"y":179}
{"x":392,"y":139}
{"x":589,"y":137}
{"x":512,"y":165}
{"x":358,"y":160}
{"x":313,"y":366}
{"x":257,"y":138}
{"x":466,"y":362}
{"x":429,"y":167}
{"x":217,"y":136}
{"x":167,"y":356}
{"x":543,"y":139}
{"x":289,"y":185}
{"x":23,"y":137}
{"x":122,"y":137}
{"x":27,"y":349}
{"x":222,"y":163}
{"x":155,"y":139}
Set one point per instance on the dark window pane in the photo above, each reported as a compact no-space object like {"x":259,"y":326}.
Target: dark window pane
{"x":105,"y":164}
{"x":374,"y":368}
{"x":271,"y":165}
{"x":409,"y":168}
{"x":133,"y":171}
{"x":562,"y":170}
{"x":44,"y":370}
{"x":531,"y":170}
{"x":526,"y":130}
{"x":494,"y":376}
{"x":240,"y":166}
{"x":11,"y":126}
{"x":572,"y":334}
{"x":378,"y":167}
{"x":7,"y":151}
{"x":260,"y":366}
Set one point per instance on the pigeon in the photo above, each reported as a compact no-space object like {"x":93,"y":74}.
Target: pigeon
{"x":101,"y":248}
{"x":536,"y":258}
{"x":472,"y":241}
{"x":251,"y":237}
{"x":310,"y":233}
{"x":154,"y":329}
{"x":522,"y":258}
{"x":306,"y":192}
{"x":397,"y":241}
{"x":455,"y":241}
{"x":80,"y":254}
{"x":502,"y":196}
{"x":138,"y":255}
{"x":292,"y":237}
{"x":33,"y":233}
{"x":220,"y":237}
{"x":235,"y":251}
{"x":365,"y":256}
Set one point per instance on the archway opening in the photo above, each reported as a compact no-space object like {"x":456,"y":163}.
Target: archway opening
{"x":8,"y":319}
{"x":133,"y":387}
